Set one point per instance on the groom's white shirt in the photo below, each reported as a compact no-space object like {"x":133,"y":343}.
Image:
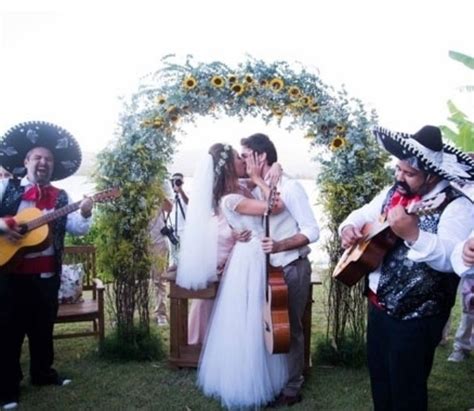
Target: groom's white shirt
{"x":297,"y":217}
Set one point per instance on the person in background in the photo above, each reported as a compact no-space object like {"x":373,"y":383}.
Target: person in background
{"x":160,"y":233}
{"x":180,"y":203}
{"x":43,"y":152}
{"x":4,"y":173}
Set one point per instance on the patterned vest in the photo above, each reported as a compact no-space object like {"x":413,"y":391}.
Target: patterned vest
{"x":414,"y":290}
{"x":9,"y":206}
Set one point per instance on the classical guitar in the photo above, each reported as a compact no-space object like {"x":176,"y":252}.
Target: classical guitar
{"x":368,"y":253}
{"x":34,"y":227}
{"x":276,"y":320}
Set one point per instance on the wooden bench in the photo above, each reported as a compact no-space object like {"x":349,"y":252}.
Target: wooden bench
{"x":91,"y":309}
{"x":183,"y":354}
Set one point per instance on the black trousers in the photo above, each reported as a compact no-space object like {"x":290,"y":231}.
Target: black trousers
{"x":28,"y":306}
{"x":400,"y":357}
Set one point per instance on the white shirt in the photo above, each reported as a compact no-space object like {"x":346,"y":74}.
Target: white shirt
{"x":456,"y":257}
{"x":297,"y":217}
{"x":456,"y":222}
{"x":76,"y":224}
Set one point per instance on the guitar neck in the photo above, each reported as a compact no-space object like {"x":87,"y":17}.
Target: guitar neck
{"x":47,"y":218}
{"x":267,"y":234}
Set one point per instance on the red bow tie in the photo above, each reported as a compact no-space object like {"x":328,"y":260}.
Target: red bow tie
{"x":45,"y":197}
{"x":400,"y":199}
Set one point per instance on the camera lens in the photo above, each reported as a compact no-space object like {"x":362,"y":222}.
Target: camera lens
{"x":178,"y":182}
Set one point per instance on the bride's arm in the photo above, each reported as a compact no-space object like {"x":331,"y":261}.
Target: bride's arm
{"x":250,"y":206}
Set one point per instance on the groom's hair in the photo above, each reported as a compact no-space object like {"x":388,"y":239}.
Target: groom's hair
{"x":260,"y":143}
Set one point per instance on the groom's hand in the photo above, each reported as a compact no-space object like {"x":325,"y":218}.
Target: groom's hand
{"x":269,"y":246}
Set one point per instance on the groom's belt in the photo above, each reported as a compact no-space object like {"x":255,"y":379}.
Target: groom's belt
{"x":300,"y":258}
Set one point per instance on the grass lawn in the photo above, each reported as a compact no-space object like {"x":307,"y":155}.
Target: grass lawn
{"x":103,"y":385}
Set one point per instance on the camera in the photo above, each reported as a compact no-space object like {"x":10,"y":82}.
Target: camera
{"x":169,"y":232}
{"x":178,"y":182}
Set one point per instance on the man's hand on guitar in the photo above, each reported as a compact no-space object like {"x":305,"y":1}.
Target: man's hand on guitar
{"x":10,"y":229}
{"x":350,"y":235}
{"x":269,"y":245}
{"x":468,"y":252}
{"x":402,"y":224}
{"x":86,"y":207}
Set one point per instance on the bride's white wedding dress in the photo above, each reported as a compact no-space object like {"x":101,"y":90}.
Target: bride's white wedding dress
{"x":235,"y":365}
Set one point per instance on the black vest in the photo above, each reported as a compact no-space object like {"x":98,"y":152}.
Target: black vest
{"x":409,"y":289}
{"x":9,"y":207}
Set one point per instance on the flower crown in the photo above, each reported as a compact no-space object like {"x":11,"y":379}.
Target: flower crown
{"x":223,"y":156}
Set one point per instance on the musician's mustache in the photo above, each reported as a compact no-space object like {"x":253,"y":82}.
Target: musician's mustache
{"x":404,"y":186}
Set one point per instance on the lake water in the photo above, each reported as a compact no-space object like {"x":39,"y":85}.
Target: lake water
{"x":78,"y":186}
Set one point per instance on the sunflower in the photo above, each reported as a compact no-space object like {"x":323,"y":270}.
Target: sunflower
{"x":248,"y":79}
{"x":157,"y":122}
{"x":189,"y":83}
{"x":218,"y":81}
{"x":160,"y":100}
{"x":173,"y":113}
{"x":238,"y":89}
{"x":278,"y":111}
{"x":306,"y":100}
{"x":263,"y":83}
{"x":232,"y":79}
{"x":277,"y":84}
{"x":337,"y":143}
{"x":251,"y":101}
{"x":314,"y":107}
{"x":295,"y":107}
{"x":340,"y":129}
{"x":294,"y":92}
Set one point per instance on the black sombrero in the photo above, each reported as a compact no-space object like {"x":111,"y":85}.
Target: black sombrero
{"x":20,"y":139}
{"x":427,"y":146}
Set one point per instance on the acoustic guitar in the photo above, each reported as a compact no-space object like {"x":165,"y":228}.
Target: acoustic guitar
{"x":377,"y":239}
{"x":34,"y":227}
{"x":276,"y":320}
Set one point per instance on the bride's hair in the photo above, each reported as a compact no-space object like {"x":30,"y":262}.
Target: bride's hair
{"x":225,"y":175}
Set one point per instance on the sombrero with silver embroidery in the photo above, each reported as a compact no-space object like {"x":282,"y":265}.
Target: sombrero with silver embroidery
{"x":20,"y":139}
{"x":427,"y":146}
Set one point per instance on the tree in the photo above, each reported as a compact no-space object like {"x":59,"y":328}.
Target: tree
{"x":463,"y":136}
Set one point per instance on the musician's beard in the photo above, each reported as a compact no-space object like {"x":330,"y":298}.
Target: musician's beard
{"x":406,"y":190}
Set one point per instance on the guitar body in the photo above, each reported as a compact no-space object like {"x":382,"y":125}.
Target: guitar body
{"x":34,"y":240}
{"x":364,"y":256}
{"x":275,"y":313}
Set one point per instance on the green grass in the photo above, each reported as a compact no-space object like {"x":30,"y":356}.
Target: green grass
{"x":99,"y":384}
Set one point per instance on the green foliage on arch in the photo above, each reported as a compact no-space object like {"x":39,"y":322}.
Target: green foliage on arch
{"x":350,"y":162}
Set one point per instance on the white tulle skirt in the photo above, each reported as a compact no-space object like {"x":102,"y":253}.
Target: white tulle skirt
{"x":235,"y":365}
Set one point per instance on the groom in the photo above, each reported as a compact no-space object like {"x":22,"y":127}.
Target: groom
{"x":291,"y":230}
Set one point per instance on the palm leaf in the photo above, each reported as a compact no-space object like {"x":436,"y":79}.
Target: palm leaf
{"x":468,"y":61}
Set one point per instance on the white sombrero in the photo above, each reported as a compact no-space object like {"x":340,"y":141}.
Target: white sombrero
{"x":434,"y":156}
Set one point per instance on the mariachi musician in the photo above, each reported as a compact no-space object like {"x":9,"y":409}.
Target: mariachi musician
{"x":411,"y":293}
{"x":39,"y":152}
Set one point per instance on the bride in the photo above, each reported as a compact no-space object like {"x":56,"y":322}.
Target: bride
{"x":235,"y":365}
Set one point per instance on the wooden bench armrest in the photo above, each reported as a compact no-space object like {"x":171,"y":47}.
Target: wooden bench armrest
{"x":98,"y":284}
{"x":98,"y":290}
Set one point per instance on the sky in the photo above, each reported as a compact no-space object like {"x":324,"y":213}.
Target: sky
{"x":69,"y":62}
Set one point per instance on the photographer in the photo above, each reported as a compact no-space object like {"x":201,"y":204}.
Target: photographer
{"x":180,"y":204}
{"x":161,"y":235}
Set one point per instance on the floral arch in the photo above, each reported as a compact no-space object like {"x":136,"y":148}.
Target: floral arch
{"x":351,"y":164}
